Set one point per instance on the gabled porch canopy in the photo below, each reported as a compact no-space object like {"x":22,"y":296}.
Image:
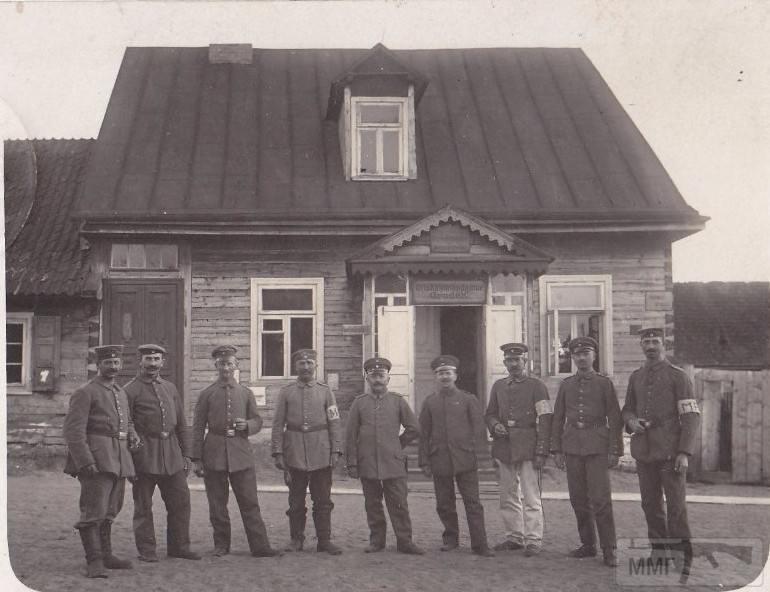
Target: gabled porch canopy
{"x":450,"y":241}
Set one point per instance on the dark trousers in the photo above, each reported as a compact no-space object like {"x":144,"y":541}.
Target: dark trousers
{"x":468,"y":484}
{"x":320,"y":482}
{"x":588,"y":481}
{"x":244,"y":484}
{"x":394,"y":491}
{"x":101,"y":498}
{"x":176,"y":497}
{"x":655,"y":479}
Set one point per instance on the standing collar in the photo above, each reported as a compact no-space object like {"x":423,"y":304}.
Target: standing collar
{"x":108,"y":384}
{"x":587,"y":375}
{"x":308,"y":384}
{"x":511,"y":378}
{"x":228,"y":382}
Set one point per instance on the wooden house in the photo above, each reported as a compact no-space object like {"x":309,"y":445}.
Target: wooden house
{"x":723,"y":341}
{"x":404,"y":202}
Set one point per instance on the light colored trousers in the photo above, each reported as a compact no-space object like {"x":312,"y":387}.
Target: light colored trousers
{"x":520,"y":504}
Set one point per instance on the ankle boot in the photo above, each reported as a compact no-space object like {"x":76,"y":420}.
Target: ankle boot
{"x":110,"y":561}
{"x":89,"y":536}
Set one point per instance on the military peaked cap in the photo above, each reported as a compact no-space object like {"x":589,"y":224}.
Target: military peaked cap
{"x":580,"y":344}
{"x":304,"y":354}
{"x":223,"y":351}
{"x":444,"y":361}
{"x":376,"y":363}
{"x":108,"y":352}
{"x":651,"y":333}
{"x":514,"y":349}
{"x":151,"y":348}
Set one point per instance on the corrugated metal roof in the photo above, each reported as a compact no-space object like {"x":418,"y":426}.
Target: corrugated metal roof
{"x":722,"y":324}
{"x":42,"y":178}
{"x":501,"y":133}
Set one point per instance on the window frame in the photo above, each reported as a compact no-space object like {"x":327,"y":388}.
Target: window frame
{"x":545,"y":283}
{"x":402,"y":127}
{"x":26,"y":320}
{"x":144,"y":247}
{"x":257,"y":284}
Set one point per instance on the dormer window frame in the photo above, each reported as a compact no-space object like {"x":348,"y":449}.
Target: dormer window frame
{"x":380,"y":128}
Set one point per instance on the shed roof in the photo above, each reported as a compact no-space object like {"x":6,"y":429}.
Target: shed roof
{"x":43,"y":254}
{"x":722,"y":324}
{"x":506,"y":134}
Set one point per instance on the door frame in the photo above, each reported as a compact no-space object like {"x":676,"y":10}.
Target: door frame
{"x":109,"y":282}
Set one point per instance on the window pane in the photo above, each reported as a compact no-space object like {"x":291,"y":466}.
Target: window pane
{"x":575,"y":296}
{"x":584,"y":325}
{"x":507,"y":283}
{"x":565,"y":334}
{"x":368,"y":146}
{"x":13,"y":353}
{"x":272,"y":354}
{"x":498,"y":299}
{"x":161,"y":256}
{"x":399,"y":300}
{"x":287,"y":299}
{"x":272,"y":325}
{"x":391,"y":152}
{"x":301,"y":334}
{"x":136,"y":256}
{"x":13,"y":374}
{"x":389,"y":284}
{"x":379,"y":113}
{"x":119,"y":255}
{"x":14,"y":332}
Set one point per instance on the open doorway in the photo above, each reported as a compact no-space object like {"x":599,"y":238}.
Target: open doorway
{"x":460,"y":330}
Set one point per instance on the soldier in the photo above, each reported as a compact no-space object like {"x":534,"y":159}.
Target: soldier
{"x":587,"y":430}
{"x":230,"y":413}
{"x":519,"y":418}
{"x":452,"y":426}
{"x":375,"y":455}
{"x":163,"y":461}
{"x":663,"y":419}
{"x":98,"y":431}
{"x":307,"y":445}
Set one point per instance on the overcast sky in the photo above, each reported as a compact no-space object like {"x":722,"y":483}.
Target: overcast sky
{"x":694,"y":76}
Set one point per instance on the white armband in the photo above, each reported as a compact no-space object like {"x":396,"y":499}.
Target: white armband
{"x":332,"y":412}
{"x":687,"y":406}
{"x":543,"y":407}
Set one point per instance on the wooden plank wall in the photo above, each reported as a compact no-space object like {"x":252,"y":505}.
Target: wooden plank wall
{"x":221,"y":305}
{"x":750,"y":441}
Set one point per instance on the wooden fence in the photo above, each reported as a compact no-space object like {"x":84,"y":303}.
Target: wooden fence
{"x":734,"y":441}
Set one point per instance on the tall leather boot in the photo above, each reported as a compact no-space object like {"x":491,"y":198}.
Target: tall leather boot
{"x":110,"y":561}
{"x":323,"y":531}
{"x":89,"y":536}
{"x":296,"y":532}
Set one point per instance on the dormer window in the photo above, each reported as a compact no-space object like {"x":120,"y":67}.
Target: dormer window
{"x":379,"y":139}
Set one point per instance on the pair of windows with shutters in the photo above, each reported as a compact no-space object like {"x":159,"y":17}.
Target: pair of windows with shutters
{"x":32,"y":352}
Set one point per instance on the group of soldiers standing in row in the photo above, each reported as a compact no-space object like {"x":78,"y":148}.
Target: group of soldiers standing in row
{"x":139,"y":433}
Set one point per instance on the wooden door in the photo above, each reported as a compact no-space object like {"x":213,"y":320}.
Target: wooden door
{"x":396,"y":342}
{"x":427,"y":345}
{"x":145,"y":311}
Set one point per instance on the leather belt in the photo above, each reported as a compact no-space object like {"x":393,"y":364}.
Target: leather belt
{"x":228,"y":433}
{"x":520,"y":423}
{"x":307,"y":428}
{"x":585,"y":425}
{"x":656,"y":423}
{"x":158,"y":435}
{"x":116,"y":435}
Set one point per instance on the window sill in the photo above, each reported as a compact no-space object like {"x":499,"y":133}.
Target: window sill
{"x":18,"y":390}
{"x":379,"y":178}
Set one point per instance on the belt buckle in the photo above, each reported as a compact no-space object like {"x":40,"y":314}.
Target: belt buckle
{"x":511,"y":423}
{"x":305,"y":428}
{"x":163,"y":435}
{"x":122,"y":435}
{"x":230,"y":432}
{"x":580,"y":425}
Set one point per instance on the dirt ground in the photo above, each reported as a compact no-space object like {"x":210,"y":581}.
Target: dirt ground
{"x":45,"y":551}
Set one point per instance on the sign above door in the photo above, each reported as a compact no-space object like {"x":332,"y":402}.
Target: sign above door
{"x":448,"y":291}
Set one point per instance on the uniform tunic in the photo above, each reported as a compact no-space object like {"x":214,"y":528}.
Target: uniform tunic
{"x":306,"y":426}
{"x":518,"y":404}
{"x":217,"y":408}
{"x":373,"y":442}
{"x":587,"y":428}
{"x":159,"y":419}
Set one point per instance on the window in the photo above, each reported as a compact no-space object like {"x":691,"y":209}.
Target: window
{"x":379,"y":138}
{"x":286,"y":315}
{"x":18,"y":349}
{"x":144,"y":256}
{"x":575,"y":306}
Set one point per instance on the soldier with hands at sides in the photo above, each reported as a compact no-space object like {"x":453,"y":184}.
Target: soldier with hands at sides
{"x":375,"y":454}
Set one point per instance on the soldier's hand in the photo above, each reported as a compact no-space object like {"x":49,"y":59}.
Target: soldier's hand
{"x":612,"y":460}
{"x":134,"y":441}
{"x":636,"y":426}
{"x":539,"y":461}
{"x":426,"y":471}
{"x":188,"y":464}
{"x":336,"y":459}
{"x":240,"y":424}
{"x":198,"y":469}
{"x":558,"y":459}
{"x":89,"y":470}
{"x":353,"y":472}
{"x":287,"y":478}
{"x":681,"y":463}
{"x":500,"y":430}
{"x":279,"y":462}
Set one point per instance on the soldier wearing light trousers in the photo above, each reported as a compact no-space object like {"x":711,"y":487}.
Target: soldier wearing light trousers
{"x":587,"y":438}
{"x":451,"y":428}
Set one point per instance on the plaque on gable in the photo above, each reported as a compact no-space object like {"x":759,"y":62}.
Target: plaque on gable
{"x":448,"y":291}
{"x":450,"y":238}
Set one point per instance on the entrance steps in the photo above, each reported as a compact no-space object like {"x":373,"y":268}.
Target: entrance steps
{"x":487,"y":471}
